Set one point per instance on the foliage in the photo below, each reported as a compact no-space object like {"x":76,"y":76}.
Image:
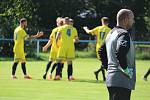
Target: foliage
{"x":41,"y":15}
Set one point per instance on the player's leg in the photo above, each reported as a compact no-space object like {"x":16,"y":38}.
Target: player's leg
{"x":47,"y":68}
{"x":61,"y":56}
{"x":70,"y":70}
{"x":103,"y":73}
{"x":53,"y":56}
{"x":61,"y":69}
{"x":97,"y":72}
{"x":53,"y":67}
{"x":23,"y":66}
{"x":58,"y":69}
{"x":146,"y":74}
{"x":70,"y":57}
{"x":100,"y":68}
{"x":14,"y":67}
{"x":17,"y":57}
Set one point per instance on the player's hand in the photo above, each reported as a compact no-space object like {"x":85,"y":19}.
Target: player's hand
{"x":128,"y":72}
{"x":85,"y":27}
{"x":44,"y":48}
{"x":39,"y":34}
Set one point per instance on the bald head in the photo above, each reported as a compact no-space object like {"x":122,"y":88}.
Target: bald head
{"x":125,"y":18}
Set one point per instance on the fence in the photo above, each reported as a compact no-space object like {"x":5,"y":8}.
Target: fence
{"x":39,"y":41}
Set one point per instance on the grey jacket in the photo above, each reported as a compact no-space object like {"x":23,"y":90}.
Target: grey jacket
{"x":120,"y":52}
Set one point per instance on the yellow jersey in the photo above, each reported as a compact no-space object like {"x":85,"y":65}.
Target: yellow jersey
{"x":53,"y":38}
{"x":101,"y":33}
{"x":67,"y":35}
{"x":19,"y":37}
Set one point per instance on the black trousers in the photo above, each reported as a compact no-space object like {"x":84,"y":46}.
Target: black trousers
{"x":118,"y":93}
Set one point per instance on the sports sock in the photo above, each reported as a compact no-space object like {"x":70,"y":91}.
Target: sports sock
{"x":70,"y":70}
{"x":14,"y":68}
{"x":103,"y":73}
{"x":23,"y":66}
{"x":62,"y":66}
{"x":147,"y":73}
{"x":53,"y":67}
{"x":58,"y":68}
{"x":48,"y":66}
{"x":98,"y":70}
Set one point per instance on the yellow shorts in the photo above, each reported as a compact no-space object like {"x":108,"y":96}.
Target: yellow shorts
{"x":19,"y":57}
{"x":65,"y":53}
{"x":53,"y":56}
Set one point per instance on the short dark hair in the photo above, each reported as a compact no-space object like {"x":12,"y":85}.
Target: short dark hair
{"x":105,"y":19}
{"x":23,"y":20}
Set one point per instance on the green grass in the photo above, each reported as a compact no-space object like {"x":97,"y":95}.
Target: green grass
{"x":84,"y":88}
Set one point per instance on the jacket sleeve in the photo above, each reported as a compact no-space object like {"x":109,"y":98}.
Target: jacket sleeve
{"x":123,"y":45}
{"x":103,"y":55}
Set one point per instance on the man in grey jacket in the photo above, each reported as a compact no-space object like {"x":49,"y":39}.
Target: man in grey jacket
{"x":119,"y":55}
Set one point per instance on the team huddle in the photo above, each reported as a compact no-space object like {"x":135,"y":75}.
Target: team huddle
{"x":61,"y":40}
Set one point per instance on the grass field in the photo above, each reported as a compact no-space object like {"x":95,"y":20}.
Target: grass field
{"x":84,"y":87}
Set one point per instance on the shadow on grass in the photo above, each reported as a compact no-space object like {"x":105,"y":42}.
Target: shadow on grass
{"x":77,"y":80}
{"x":88,"y":81}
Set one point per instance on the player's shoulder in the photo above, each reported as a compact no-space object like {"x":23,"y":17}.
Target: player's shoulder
{"x":97,"y":28}
{"x":55,"y":28}
{"x":106,"y":27}
{"x":61,"y":27}
{"x":18,"y":29}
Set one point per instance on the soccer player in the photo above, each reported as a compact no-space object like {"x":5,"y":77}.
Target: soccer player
{"x":100,"y":32}
{"x":67,"y":35}
{"x":119,"y":51}
{"x":19,"y":56}
{"x":146,"y":75}
{"x":54,"y":48}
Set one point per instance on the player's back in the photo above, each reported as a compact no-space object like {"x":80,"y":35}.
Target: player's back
{"x":102,"y":33}
{"x":68,"y":33}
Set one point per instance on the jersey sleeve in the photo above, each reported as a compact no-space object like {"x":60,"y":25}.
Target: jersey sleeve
{"x":123,"y":45}
{"x":23,"y":34}
{"x":75,"y":33}
{"x":94,"y":31}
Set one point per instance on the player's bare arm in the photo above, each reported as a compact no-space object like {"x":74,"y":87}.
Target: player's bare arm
{"x":49,"y":43}
{"x":86,"y":29}
{"x":76,"y":39}
{"x":39,"y":34}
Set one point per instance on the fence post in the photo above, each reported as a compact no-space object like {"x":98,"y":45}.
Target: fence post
{"x":38,"y":48}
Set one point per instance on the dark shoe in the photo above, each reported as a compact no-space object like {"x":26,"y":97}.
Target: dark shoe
{"x":44,"y":76}
{"x":96,"y":75}
{"x":144,"y":78}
